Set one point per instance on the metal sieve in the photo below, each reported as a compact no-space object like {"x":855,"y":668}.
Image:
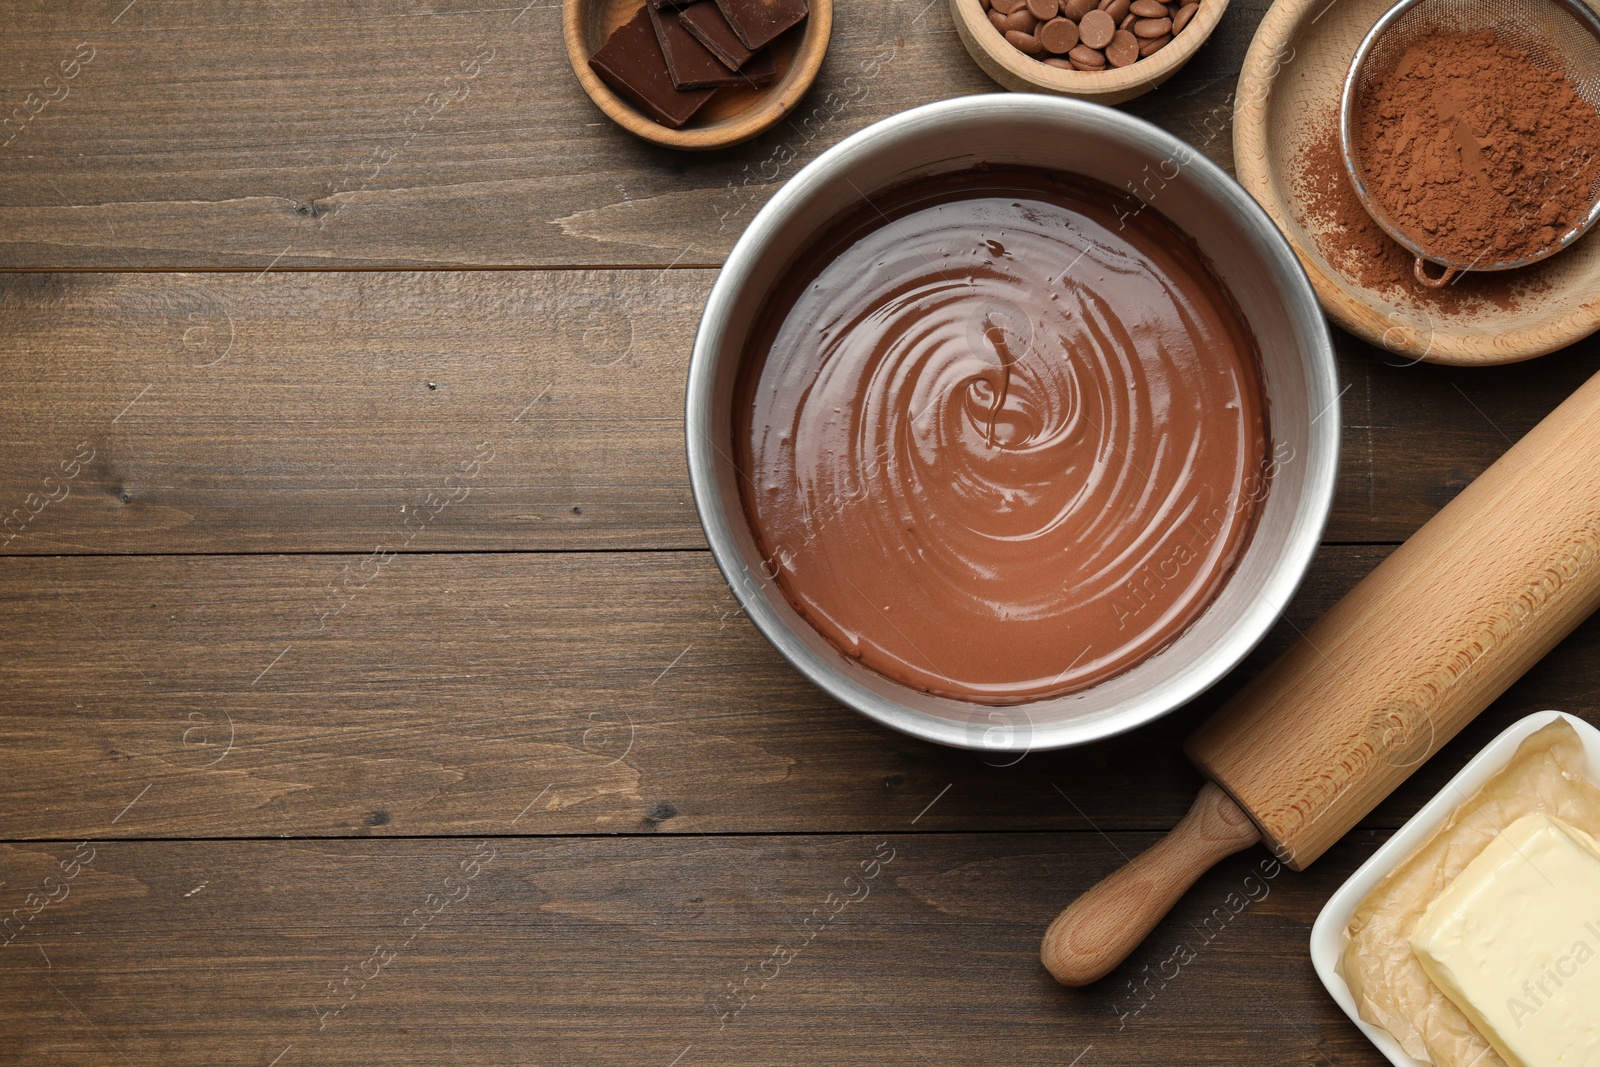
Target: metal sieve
{"x":1559,"y":35}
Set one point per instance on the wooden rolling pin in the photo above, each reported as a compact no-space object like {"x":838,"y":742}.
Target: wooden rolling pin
{"x":1381,"y":682}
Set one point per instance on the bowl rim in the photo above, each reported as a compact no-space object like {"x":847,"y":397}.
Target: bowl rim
{"x":1014,"y":70}
{"x":1313,"y":507}
{"x":1327,"y":933}
{"x":779,"y":98}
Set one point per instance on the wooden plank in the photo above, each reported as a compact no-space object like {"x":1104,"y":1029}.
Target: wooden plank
{"x":587,"y":692}
{"x":1414,"y":435}
{"x":355,"y":133}
{"x":314,"y":412}
{"x":647,"y":951}
{"x":293,"y":412}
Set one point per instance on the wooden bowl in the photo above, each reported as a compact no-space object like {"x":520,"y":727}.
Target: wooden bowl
{"x":1285,"y":112}
{"x":1014,"y":70}
{"x":736,"y":113}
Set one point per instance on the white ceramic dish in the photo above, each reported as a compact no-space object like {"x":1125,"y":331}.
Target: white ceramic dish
{"x":1327,"y":935}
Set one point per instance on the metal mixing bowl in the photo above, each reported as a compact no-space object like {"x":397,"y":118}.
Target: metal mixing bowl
{"x":1248,"y":254}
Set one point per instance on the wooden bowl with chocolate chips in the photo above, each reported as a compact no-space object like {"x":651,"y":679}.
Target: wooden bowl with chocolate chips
{"x":697,"y":74}
{"x":1107,"y":51}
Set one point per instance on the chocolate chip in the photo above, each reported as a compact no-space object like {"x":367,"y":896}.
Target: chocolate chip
{"x":1058,"y":35}
{"x":1152,"y":46}
{"x":1024,"y":42}
{"x":1149,"y":9}
{"x":1181,"y":19}
{"x":1076,"y":9}
{"x":1096,"y":29}
{"x":1020,"y":21}
{"x":1085,"y":58}
{"x":1127,"y":22}
{"x":1150,"y":29}
{"x":1123,"y":51}
{"x":1059,"y":63}
{"x":998,"y":20}
{"x":1117,"y":9}
{"x":1044,"y":10}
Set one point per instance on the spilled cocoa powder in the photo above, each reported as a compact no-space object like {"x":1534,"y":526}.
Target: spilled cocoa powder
{"x":1357,"y":247}
{"x":1475,"y":151}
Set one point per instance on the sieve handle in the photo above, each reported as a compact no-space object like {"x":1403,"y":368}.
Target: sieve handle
{"x":1419,"y":268}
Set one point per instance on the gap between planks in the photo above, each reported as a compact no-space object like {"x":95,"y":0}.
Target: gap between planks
{"x":685,"y":834}
{"x":377,"y":269}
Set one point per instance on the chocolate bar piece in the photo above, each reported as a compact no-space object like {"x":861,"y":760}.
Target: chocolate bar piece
{"x":691,"y":64}
{"x":757,"y":22}
{"x":760,"y":70}
{"x":704,"y":19}
{"x":632,"y":63}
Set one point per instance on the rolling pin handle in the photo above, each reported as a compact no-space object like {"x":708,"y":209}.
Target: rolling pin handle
{"x":1099,"y":929}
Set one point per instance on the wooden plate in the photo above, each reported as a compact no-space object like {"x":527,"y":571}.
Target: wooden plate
{"x":735,"y":114}
{"x":1285,"y":113}
{"x":1025,"y":74}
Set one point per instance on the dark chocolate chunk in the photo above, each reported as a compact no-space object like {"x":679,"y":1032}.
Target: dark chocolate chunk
{"x":760,"y":70}
{"x":757,"y":22}
{"x":632,"y":63}
{"x":704,"y":20}
{"x":691,"y":64}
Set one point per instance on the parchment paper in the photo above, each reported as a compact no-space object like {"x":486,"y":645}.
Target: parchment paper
{"x":1547,"y":775}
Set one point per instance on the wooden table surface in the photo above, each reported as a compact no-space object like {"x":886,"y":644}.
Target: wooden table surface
{"x":367,"y":694}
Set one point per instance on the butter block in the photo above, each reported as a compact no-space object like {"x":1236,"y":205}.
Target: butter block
{"x":1514,"y":942}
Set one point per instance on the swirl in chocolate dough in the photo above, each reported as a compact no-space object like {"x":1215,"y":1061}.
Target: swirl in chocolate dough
{"x":1002,"y":435}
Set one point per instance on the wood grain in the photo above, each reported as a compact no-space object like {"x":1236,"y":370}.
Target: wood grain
{"x":1438,"y":630}
{"x":649,"y":951}
{"x":509,"y":671}
{"x":299,"y":134}
{"x":293,"y":413}
{"x":1103,"y":926}
{"x":315,"y":412}
{"x":590,"y":692}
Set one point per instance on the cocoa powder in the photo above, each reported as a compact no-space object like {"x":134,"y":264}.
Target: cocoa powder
{"x":1354,"y":244}
{"x":1476,"y":152}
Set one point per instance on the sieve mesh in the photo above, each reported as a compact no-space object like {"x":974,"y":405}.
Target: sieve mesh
{"x":1558,"y":35}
